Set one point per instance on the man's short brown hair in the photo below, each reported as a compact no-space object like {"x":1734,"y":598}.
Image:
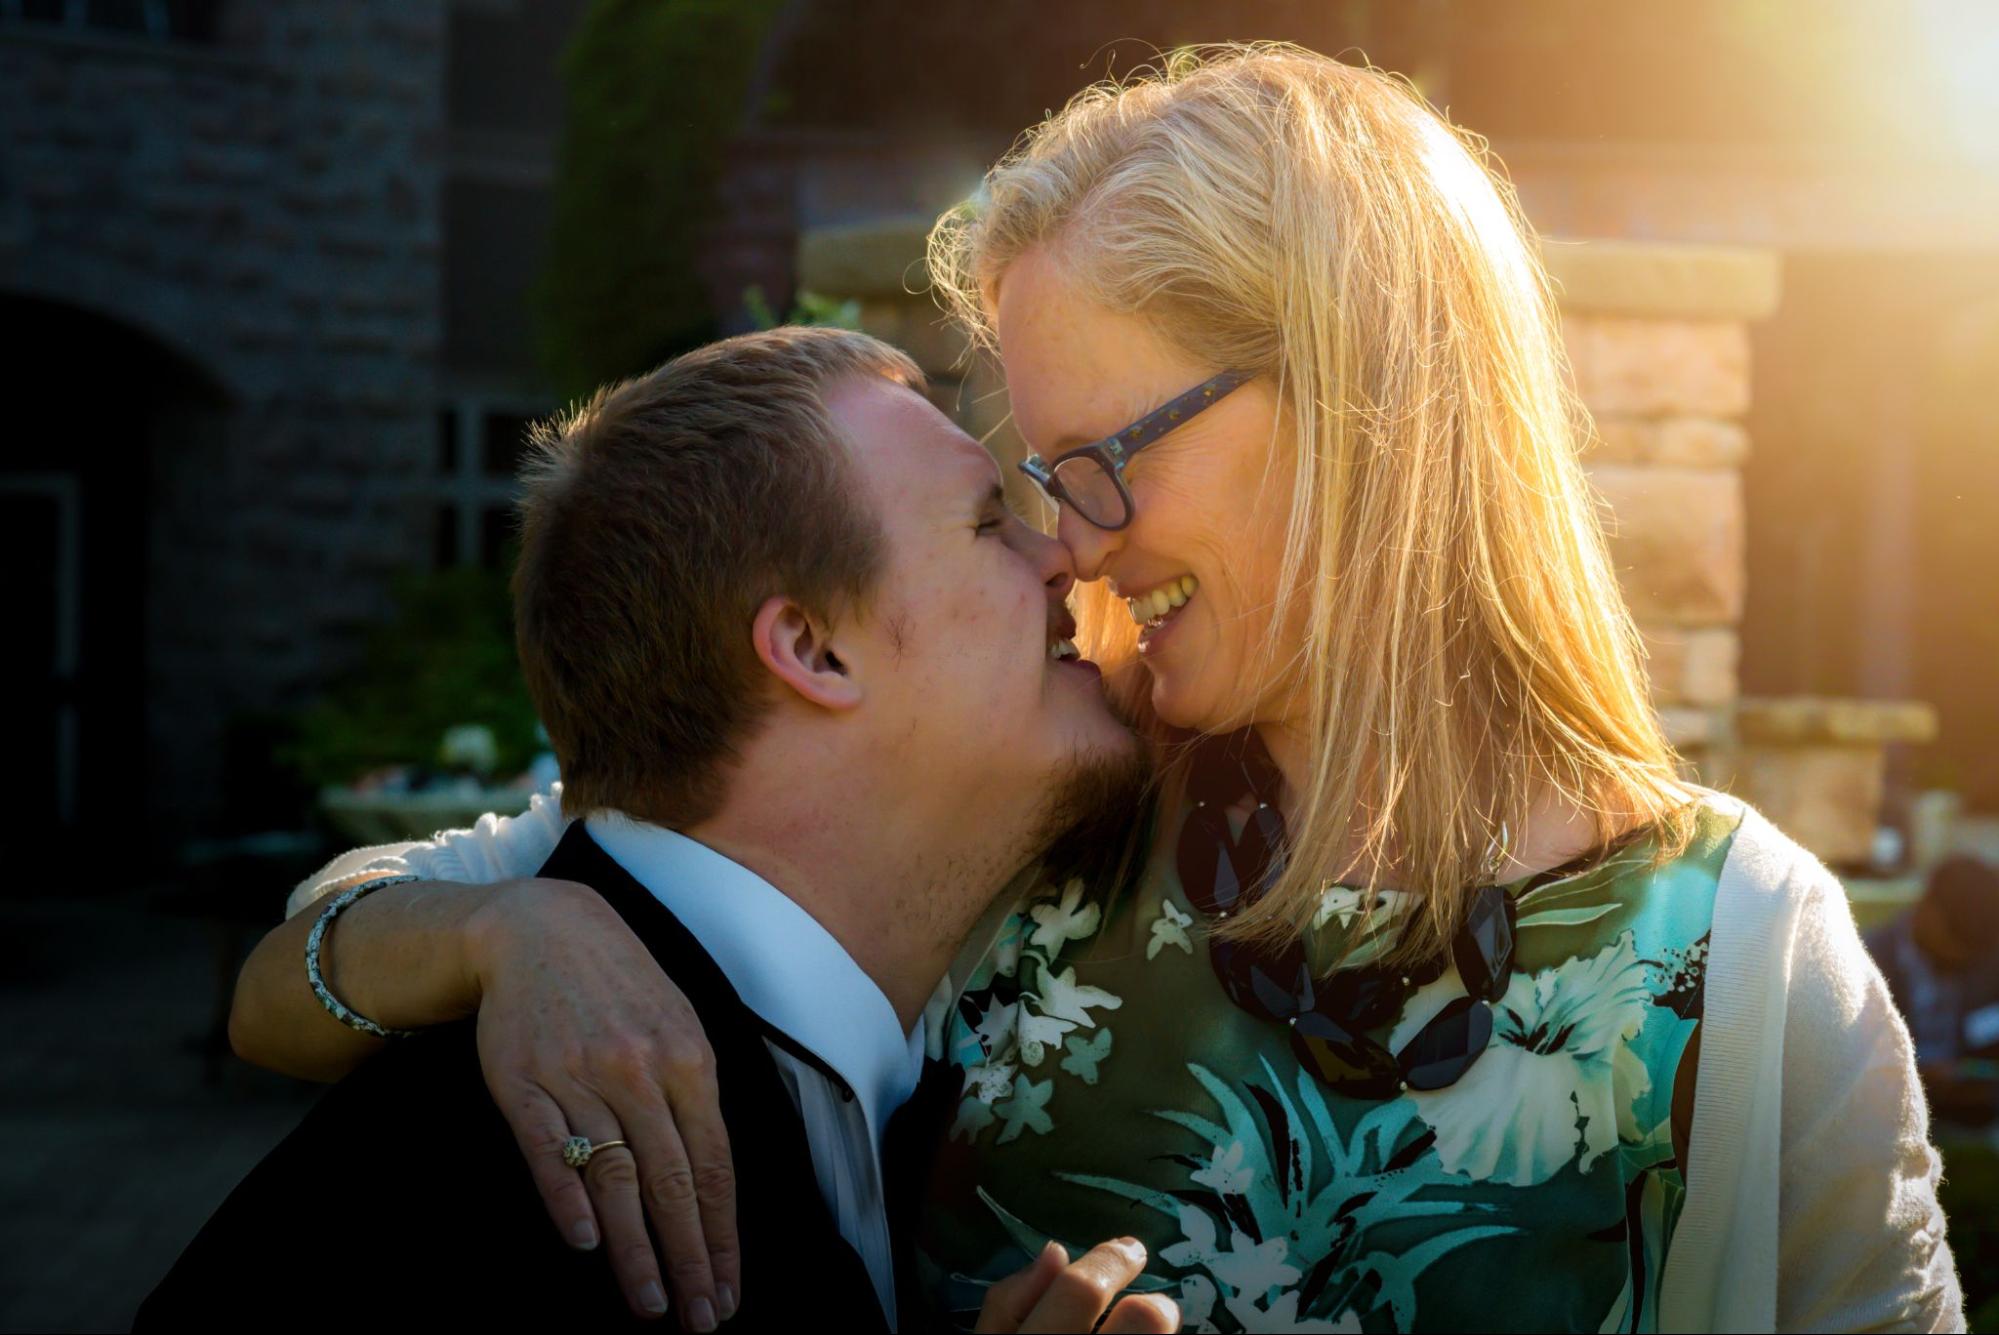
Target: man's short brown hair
{"x":656,"y":519}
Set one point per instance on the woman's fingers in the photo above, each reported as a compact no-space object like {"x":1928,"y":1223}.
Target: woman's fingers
{"x":540,"y":1130}
{"x":576,"y":1009}
{"x":612,"y":1178}
{"x":1142,"y":1314}
{"x":1083,"y":1289}
{"x":667,"y":1183}
{"x":1008,"y":1301}
{"x":1056,"y":1294}
{"x":696,"y":1104}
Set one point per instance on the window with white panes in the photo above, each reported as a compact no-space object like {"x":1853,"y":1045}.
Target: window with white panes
{"x":480,"y":443}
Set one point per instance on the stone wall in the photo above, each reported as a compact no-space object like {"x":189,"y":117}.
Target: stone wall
{"x":267,"y":208}
{"x":1658,"y":339}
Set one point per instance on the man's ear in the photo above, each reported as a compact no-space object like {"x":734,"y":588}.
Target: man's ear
{"x":798,"y":650}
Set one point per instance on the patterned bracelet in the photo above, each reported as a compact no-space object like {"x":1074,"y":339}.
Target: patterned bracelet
{"x":341,"y":903}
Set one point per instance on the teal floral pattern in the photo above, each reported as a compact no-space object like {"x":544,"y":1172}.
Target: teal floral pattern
{"x":1539,"y":1192}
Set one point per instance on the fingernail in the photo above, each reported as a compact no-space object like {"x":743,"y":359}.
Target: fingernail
{"x":701,"y":1315}
{"x":725,"y":1298}
{"x":652,"y":1299}
{"x":583,"y":1234}
{"x":1133,"y":1248}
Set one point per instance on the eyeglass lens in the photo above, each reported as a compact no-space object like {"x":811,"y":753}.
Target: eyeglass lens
{"x":1085,"y":484}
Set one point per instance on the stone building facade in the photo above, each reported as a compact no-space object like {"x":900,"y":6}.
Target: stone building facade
{"x":219,"y":266}
{"x":264,"y":273}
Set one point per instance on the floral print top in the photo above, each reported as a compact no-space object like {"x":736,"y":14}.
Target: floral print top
{"x":1111,"y":1089}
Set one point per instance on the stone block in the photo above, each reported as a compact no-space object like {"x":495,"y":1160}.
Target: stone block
{"x":1659,"y":368}
{"x":1806,"y":720}
{"x":1676,"y":541}
{"x":938,"y":344}
{"x":879,"y":258}
{"x":1674,"y":281}
{"x":1678,"y":442}
{"x":1827,"y":797}
{"x":1693,"y":730}
{"x":919,"y":328}
{"x":1691,"y":666}
{"x":882,"y":317}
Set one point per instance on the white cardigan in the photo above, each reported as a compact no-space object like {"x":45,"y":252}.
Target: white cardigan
{"x":1811,"y":1201}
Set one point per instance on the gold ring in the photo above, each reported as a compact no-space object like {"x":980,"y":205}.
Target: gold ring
{"x":576,"y":1150}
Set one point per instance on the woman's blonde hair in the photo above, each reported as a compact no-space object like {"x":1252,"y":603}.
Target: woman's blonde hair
{"x":1467,"y":651}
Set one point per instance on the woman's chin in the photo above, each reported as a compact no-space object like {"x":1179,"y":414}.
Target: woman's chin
{"x":1177,"y":706}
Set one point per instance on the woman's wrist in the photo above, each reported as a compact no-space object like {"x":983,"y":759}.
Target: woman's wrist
{"x":315,"y":943}
{"x":502,"y":917}
{"x":402,"y":956}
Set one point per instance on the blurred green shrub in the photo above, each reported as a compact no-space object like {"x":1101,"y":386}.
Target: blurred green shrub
{"x":1970,"y":1199}
{"x":654,"y":92}
{"x":445,"y":658}
{"x":810,"y":308}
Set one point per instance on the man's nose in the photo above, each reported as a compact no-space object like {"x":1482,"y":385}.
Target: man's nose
{"x":1051,"y":561}
{"x":1090,"y":548}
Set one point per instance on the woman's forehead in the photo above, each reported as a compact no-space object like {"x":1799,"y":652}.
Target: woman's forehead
{"x":1075,"y":371}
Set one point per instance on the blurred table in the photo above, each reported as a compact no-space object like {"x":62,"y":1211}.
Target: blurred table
{"x":1880,"y":899}
{"x":388,"y":817}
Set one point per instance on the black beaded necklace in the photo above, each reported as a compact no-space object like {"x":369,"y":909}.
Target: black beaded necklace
{"x":1225,"y":868}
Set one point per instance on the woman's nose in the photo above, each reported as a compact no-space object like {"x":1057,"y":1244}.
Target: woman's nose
{"x":1090,"y":547}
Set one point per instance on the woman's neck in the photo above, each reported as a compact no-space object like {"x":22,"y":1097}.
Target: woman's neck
{"x":1556,"y":830}
{"x":1290,"y":748}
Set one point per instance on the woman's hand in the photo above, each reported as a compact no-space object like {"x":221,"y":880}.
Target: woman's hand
{"x":1055,"y":1294}
{"x":580,"y":1034}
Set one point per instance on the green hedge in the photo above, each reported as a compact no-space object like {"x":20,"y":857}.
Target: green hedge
{"x":655,"y":90}
{"x":1970,"y":1199}
{"x":444,"y":658}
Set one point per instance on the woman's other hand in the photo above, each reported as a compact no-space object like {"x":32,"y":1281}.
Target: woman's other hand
{"x":1055,"y":1294}
{"x":581,"y":1034}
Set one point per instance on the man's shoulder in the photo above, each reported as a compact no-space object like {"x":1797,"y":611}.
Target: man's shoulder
{"x":406,"y":1178}
{"x":580,"y":858}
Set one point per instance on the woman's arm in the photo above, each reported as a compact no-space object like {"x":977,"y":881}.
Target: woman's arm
{"x":577,"y":1028}
{"x":403,"y":954}
{"x":1861,"y":1243}
{"x":398,"y":956}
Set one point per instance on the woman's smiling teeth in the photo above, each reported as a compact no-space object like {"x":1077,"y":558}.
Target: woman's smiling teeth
{"x":1154,"y":605}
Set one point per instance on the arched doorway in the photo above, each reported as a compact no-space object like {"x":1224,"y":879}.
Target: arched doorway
{"x":100,"y":407}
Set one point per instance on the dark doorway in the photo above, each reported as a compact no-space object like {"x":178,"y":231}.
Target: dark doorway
{"x":78,"y":453}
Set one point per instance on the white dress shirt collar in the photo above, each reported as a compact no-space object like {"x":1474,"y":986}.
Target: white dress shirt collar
{"x":786,"y":967}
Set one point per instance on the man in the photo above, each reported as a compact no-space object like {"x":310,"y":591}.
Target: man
{"x":1941,"y":960}
{"x":767,"y":600}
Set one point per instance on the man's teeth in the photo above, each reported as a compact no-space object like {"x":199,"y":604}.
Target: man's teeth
{"x":1162,"y":600}
{"x":1064,"y":649}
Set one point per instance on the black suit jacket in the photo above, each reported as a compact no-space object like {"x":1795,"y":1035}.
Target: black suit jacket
{"x":403,"y":1196}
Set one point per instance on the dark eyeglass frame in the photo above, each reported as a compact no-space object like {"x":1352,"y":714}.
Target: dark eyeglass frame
{"x":1114,"y":452}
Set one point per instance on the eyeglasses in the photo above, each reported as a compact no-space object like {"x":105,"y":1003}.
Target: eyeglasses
{"x":1224,"y":871}
{"x":1090,"y":480}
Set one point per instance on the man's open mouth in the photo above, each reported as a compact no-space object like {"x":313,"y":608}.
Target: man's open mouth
{"x":1062,"y":638}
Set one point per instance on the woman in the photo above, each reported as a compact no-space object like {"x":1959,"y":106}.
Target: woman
{"x":1440,"y":1001}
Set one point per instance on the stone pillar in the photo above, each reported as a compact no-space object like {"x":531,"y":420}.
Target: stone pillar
{"x":1814,"y":766}
{"x":1658,"y":337}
